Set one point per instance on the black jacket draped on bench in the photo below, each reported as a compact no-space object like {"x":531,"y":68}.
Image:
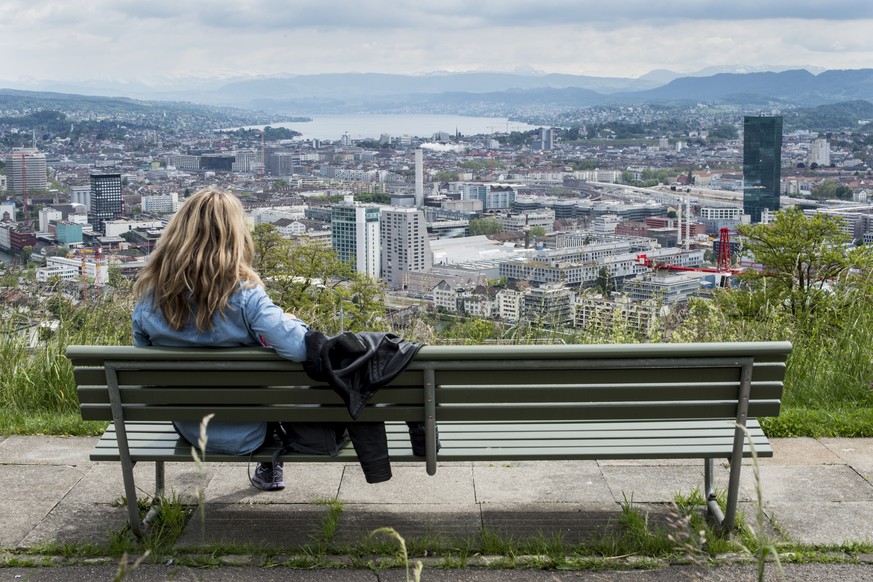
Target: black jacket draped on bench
{"x":356,"y":365}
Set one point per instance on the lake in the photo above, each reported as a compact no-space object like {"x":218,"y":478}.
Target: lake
{"x":371,"y":126}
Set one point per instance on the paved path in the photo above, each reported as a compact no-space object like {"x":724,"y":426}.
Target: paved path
{"x":815,"y":491}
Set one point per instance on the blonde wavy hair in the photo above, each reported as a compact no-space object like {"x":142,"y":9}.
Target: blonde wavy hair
{"x":204,"y":255}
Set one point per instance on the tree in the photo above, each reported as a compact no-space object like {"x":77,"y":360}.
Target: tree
{"x":537,"y":231}
{"x":604,"y":283}
{"x":479,"y":226}
{"x":312,"y":282}
{"x":828,"y":190}
{"x":800,"y":255}
{"x":445,"y":177}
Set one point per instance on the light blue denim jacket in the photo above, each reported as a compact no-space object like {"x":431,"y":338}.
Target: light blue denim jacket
{"x":250,"y":319}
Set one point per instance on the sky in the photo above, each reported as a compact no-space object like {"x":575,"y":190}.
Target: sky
{"x":173,"y":41}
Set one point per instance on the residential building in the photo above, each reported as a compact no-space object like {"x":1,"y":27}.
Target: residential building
{"x":550,"y":305}
{"x":762,"y":165}
{"x":405,"y":245}
{"x":602,"y":315}
{"x":491,"y":195}
{"x":509,"y":302}
{"x":663,"y":288}
{"x":160,"y":203}
{"x":355,"y":235}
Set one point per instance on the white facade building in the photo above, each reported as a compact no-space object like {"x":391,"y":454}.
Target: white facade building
{"x":47,"y":216}
{"x":81,"y":195}
{"x":96,"y":273}
{"x":820,"y":152}
{"x":7,"y":212}
{"x":405,"y":245}
{"x":355,"y":236}
{"x":119,"y":227}
{"x":509,"y":304}
{"x":161,"y":203}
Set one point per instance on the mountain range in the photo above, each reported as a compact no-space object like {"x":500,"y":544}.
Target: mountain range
{"x":495,"y":92}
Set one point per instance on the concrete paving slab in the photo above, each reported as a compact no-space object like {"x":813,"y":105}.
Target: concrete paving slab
{"x":78,"y":523}
{"x":45,"y":482}
{"x":102,"y":483}
{"x":570,"y":521}
{"x":356,"y":522}
{"x":265,"y":526}
{"x":825,"y":522}
{"x":749,"y":510}
{"x":660,"y":484}
{"x":40,"y":486}
{"x":19,"y":519}
{"x":856,"y":452}
{"x":304,"y":483}
{"x":532,"y":482}
{"x":799,"y":451}
{"x":410,"y":485}
{"x":808,"y":484}
{"x":47,"y":450}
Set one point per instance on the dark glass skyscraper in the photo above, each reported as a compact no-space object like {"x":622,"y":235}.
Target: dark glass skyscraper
{"x":762,"y":164}
{"x":106,"y":201}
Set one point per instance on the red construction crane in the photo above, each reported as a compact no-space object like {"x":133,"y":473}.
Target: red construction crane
{"x":723,"y":267}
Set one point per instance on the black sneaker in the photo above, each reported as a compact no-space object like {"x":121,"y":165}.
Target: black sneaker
{"x":269,"y":477}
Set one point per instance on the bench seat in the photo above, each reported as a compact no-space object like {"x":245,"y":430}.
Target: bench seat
{"x":495,"y":441}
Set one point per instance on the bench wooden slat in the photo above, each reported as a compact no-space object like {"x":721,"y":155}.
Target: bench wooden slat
{"x":538,"y":411}
{"x":228,"y":395}
{"x":448,"y":395}
{"x":160,"y":442}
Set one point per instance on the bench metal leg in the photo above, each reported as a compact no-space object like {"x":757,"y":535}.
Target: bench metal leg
{"x":725,"y":520}
{"x":130,"y":493}
{"x":159,"y":479}
{"x":709,"y":490}
{"x":127,"y":463}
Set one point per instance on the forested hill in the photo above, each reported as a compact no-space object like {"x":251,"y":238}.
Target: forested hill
{"x":17,"y":104}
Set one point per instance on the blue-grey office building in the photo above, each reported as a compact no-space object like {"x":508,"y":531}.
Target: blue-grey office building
{"x":762,"y":164}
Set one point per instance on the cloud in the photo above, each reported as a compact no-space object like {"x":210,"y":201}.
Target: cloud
{"x":443,"y":147}
{"x":127,"y":39}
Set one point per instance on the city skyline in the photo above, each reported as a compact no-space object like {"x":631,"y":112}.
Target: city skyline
{"x":166,"y":42}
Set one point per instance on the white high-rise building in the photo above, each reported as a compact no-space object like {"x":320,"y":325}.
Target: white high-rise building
{"x":419,"y":178}
{"x":405,"y":245}
{"x":820,"y":152}
{"x":355,"y":236}
{"x":25,"y":168}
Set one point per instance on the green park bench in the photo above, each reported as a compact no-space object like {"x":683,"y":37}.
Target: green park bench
{"x":492,"y":403}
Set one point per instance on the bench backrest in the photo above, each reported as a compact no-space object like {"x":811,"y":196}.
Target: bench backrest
{"x":443,"y":383}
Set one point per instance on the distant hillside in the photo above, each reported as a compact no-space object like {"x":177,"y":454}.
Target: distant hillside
{"x":160,"y":112}
{"x":832,"y":117}
{"x":797,"y":87}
